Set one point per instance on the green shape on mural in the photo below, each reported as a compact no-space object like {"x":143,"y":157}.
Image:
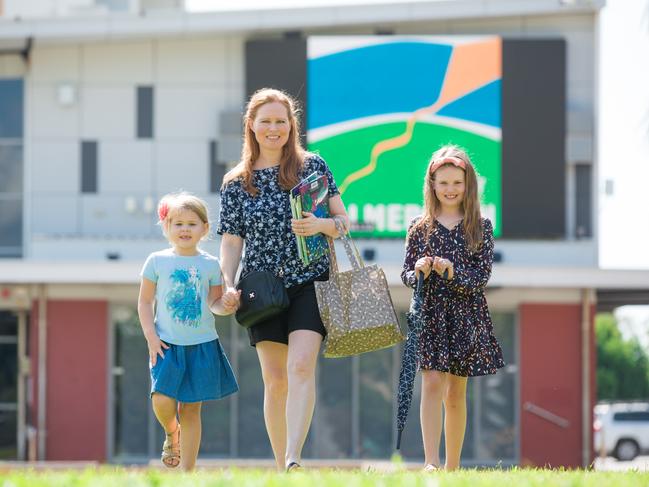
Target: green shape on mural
{"x":390,"y":196}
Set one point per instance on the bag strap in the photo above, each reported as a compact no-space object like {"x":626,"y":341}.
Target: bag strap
{"x":350,"y":247}
{"x":333,"y":261}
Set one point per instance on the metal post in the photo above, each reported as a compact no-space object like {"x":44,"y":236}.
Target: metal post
{"x":356,"y":407}
{"x":587,"y":407}
{"x":23,"y":371}
{"x":234,"y":398}
{"x":42,"y":374}
{"x":477,"y":387}
{"x":396,"y":364}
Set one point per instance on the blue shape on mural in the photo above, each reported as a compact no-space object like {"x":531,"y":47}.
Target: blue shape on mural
{"x":398,"y":77}
{"x":481,"y":105}
{"x":184,"y":298}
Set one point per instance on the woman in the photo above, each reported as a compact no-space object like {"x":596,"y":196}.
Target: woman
{"x":255,"y":212}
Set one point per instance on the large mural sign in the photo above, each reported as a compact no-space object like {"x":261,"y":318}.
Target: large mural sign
{"x":379,"y":106}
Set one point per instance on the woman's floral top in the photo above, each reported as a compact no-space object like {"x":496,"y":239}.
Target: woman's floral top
{"x":264,"y":222}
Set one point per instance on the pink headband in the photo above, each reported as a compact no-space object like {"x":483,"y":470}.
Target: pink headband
{"x":456,"y":161}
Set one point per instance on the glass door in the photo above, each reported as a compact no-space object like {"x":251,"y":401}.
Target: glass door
{"x":12,"y":385}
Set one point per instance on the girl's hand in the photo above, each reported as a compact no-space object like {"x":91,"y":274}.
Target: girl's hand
{"x":231,"y":300}
{"x":440,"y":265}
{"x":307,"y":226}
{"x":424,"y":265}
{"x":155,"y":348}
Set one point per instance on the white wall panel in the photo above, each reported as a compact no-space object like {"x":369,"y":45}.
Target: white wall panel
{"x":580,"y":97}
{"x":126,"y":167}
{"x":118,"y":62}
{"x":236,"y":62}
{"x":55,"y":214}
{"x":56,"y":63}
{"x":579,"y":148}
{"x":55,"y":166}
{"x":510,"y":26}
{"x":182,"y":165}
{"x":12,"y":67}
{"x":108,"y":111}
{"x":107,"y":216}
{"x":188,"y":112}
{"x":235,"y":100}
{"x":198,"y":60}
{"x":47,"y":117}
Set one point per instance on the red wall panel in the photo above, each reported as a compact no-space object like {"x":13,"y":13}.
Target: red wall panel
{"x":550,"y":341}
{"x":77,"y":380}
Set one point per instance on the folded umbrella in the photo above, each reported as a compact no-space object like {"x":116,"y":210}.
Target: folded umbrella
{"x":409,"y":360}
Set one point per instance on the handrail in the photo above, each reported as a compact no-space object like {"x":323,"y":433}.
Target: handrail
{"x":545,"y":414}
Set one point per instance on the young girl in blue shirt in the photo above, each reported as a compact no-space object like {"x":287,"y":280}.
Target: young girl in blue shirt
{"x":180,"y":289}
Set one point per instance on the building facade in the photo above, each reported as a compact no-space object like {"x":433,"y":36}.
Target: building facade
{"x":104,"y":113}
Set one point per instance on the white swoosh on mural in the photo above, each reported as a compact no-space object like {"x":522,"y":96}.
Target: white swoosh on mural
{"x":488,"y":131}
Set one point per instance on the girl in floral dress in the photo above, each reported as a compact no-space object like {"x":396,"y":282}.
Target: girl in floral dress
{"x":452,"y":245}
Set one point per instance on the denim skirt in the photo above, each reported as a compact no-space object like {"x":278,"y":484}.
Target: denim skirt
{"x":193,"y":373}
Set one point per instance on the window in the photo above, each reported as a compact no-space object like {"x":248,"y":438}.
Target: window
{"x":632,"y":416}
{"x":11,"y":167}
{"x":89,"y":166}
{"x":583,"y":200}
{"x":144,"y":104}
{"x":11,"y":107}
{"x":355,"y":410}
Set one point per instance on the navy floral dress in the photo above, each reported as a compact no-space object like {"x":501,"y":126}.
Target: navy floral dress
{"x":457,"y":334}
{"x":264,"y":222}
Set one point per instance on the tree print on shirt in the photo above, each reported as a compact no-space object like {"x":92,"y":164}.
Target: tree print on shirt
{"x":184,"y":298}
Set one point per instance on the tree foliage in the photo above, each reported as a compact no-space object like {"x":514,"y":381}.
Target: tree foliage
{"x":622,"y":365}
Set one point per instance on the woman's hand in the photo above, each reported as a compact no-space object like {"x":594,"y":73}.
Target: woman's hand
{"x":307,"y":226}
{"x":441,"y":265}
{"x":155,"y":346}
{"x":424,"y":265}
{"x":231,"y":300}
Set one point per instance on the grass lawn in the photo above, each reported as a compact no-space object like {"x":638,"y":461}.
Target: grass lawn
{"x":116,"y":476}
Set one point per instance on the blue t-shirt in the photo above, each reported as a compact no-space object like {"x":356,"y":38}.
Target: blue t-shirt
{"x":182,"y":314}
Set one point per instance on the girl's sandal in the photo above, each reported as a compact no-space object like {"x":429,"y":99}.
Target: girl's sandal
{"x":293,"y":467}
{"x":431,"y":468}
{"x":170,"y":451}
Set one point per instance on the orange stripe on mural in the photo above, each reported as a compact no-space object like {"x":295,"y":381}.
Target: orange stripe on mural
{"x":471,"y":66}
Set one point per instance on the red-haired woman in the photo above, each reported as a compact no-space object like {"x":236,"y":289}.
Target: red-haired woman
{"x":256,"y":214}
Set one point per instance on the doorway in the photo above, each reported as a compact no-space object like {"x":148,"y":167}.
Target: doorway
{"x":13,"y":360}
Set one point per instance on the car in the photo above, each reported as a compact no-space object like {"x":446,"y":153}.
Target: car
{"x":621,"y":429}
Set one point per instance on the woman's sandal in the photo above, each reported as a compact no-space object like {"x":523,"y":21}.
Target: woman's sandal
{"x":431,"y":468}
{"x":293,"y":467}
{"x":170,"y":452}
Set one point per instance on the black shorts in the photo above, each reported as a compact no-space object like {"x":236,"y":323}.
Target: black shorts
{"x":301,"y":314}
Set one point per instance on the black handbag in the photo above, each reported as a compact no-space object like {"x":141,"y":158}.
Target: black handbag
{"x":263,"y":296}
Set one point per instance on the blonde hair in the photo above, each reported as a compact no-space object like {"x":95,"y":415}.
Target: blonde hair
{"x":293,"y":153}
{"x":172,"y":203}
{"x":471,"y":223}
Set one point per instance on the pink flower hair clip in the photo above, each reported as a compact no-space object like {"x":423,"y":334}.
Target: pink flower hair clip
{"x":163,"y":210}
